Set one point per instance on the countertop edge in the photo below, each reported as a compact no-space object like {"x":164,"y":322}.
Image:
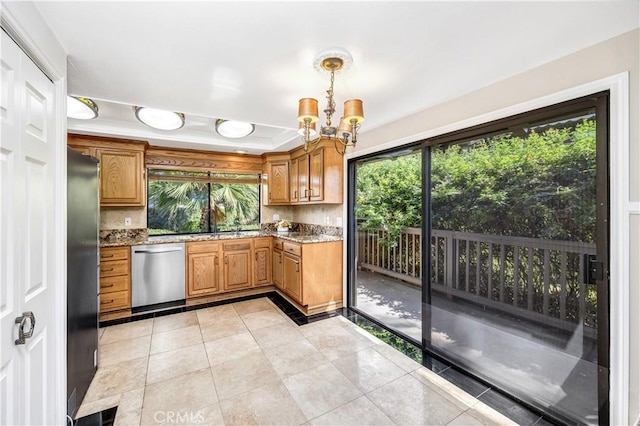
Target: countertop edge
{"x":300,"y":239}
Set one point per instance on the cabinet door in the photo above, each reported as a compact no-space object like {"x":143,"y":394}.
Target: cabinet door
{"x":278,"y":269}
{"x":292,"y":277}
{"x":279,"y":182}
{"x":121,"y":178}
{"x":316,"y":175}
{"x":262,"y":266}
{"x":237,"y":269}
{"x":294,"y":182}
{"x":303,"y":178}
{"x":203,"y":274}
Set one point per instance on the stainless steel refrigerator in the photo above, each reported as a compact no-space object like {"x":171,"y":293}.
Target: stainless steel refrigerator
{"x":83,"y":212}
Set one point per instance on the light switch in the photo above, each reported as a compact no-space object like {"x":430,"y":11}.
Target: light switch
{"x":276,"y":217}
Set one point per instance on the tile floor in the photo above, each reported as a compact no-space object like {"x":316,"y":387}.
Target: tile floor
{"x":248,"y":363}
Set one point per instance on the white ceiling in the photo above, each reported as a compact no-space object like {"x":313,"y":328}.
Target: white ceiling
{"x":252,"y":61}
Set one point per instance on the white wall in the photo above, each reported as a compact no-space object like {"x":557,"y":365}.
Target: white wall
{"x":612,"y":57}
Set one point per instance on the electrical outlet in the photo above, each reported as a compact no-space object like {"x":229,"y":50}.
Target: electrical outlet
{"x":338,"y":221}
{"x":276,"y":217}
{"x":127,"y":221}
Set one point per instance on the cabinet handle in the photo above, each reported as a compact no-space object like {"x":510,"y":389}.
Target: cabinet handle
{"x":295,"y":194}
{"x":297,"y":267}
{"x":107,"y":255}
{"x":215,"y":262}
{"x":106,"y":270}
{"x":269,"y":195}
{"x":106,"y":302}
{"x":256,"y":256}
{"x":279,"y":258}
{"x":305,"y":193}
{"x":106,"y":286}
{"x":226,"y":260}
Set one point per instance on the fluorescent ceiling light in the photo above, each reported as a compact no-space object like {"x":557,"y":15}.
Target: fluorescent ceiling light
{"x":234,"y":129}
{"x":81,"y":108}
{"x":160,"y":119}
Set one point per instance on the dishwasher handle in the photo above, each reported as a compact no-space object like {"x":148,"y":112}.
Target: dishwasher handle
{"x":158,"y":251}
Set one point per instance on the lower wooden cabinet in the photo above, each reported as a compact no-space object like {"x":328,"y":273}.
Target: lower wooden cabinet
{"x":237,"y":265}
{"x":262,"y":261}
{"x":115,"y":278}
{"x":278,"y":269}
{"x":311,"y":274}
{"x":203,"y":268}
{"x":292,"y":277}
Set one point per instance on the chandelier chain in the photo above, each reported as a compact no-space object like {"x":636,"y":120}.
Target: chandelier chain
{"x":331,"y":104}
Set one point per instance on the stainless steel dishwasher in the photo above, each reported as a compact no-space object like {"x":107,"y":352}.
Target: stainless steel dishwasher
{"x":157,"y":274}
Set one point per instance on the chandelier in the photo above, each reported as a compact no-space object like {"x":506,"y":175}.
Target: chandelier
{"x":345,"y":134}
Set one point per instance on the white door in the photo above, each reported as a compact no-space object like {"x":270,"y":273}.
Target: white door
{"x":27,"y":242}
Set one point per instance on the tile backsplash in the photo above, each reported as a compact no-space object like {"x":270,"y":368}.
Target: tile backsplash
{"x":113,"y":217}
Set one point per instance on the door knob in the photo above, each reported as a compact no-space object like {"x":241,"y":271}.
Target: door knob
{"x":22,"y":321}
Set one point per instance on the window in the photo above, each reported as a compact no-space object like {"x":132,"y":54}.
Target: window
{"x":184,"y":202}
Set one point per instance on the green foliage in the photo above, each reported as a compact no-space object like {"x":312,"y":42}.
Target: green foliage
{"x":188,"y":207}
{"x":539,"y":186}
{"x":389,"y":194}
{"x":392,"y":340}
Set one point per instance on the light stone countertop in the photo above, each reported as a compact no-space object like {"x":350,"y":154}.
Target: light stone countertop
{"x":297,"y":237}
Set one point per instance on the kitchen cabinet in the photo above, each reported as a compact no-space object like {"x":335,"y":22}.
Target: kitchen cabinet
{"x":203,"y":268}
{"x":311,"y":274}
{"x":294,"y":183}
{"x":237,"y":265}
{"x":121,"y":178}
{"x":262,"y":257}
{"x":278,"y":182}
{"x":292,"y":277}
{"x":314,"y":177}
{"x":278,"y":271}
{"x":310,"y":176}
{"x":122,"y":169}
{"x":303,"y":178}
{"x":115,"y":278}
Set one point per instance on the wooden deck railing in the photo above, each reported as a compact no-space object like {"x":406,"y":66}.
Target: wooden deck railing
{"x":536,"y":279}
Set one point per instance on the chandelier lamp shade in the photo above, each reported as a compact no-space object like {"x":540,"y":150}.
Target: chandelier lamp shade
{"x":345,"y":133}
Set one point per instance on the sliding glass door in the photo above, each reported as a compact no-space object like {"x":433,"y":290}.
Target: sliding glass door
{"x":515,"y":285}
{"x":388,"y":221}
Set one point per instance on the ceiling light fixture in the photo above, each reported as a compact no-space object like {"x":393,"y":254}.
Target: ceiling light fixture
{"x":332,"y":60}
{"x":81,"y":108}
{"x":159,"y":119}
{"x":234,"y":129}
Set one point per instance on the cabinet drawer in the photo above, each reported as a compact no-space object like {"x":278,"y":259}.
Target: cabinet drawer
{"x":114,"y":253}
{"x":111,"y":284}
{"x":112,"y":268}
{"x":202,"y":247}
{"x":114,"y":301}
{"x":293,"y":248}
{"x":262,"y":242}
{"x":245,"y":245}
{"x":277,"y":244}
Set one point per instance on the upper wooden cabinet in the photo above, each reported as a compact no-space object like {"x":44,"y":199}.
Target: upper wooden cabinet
{"x":122,"y":170}
{"x":278,"y":182}
{"x":314,"y":178}
{"x":121,"y":178}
